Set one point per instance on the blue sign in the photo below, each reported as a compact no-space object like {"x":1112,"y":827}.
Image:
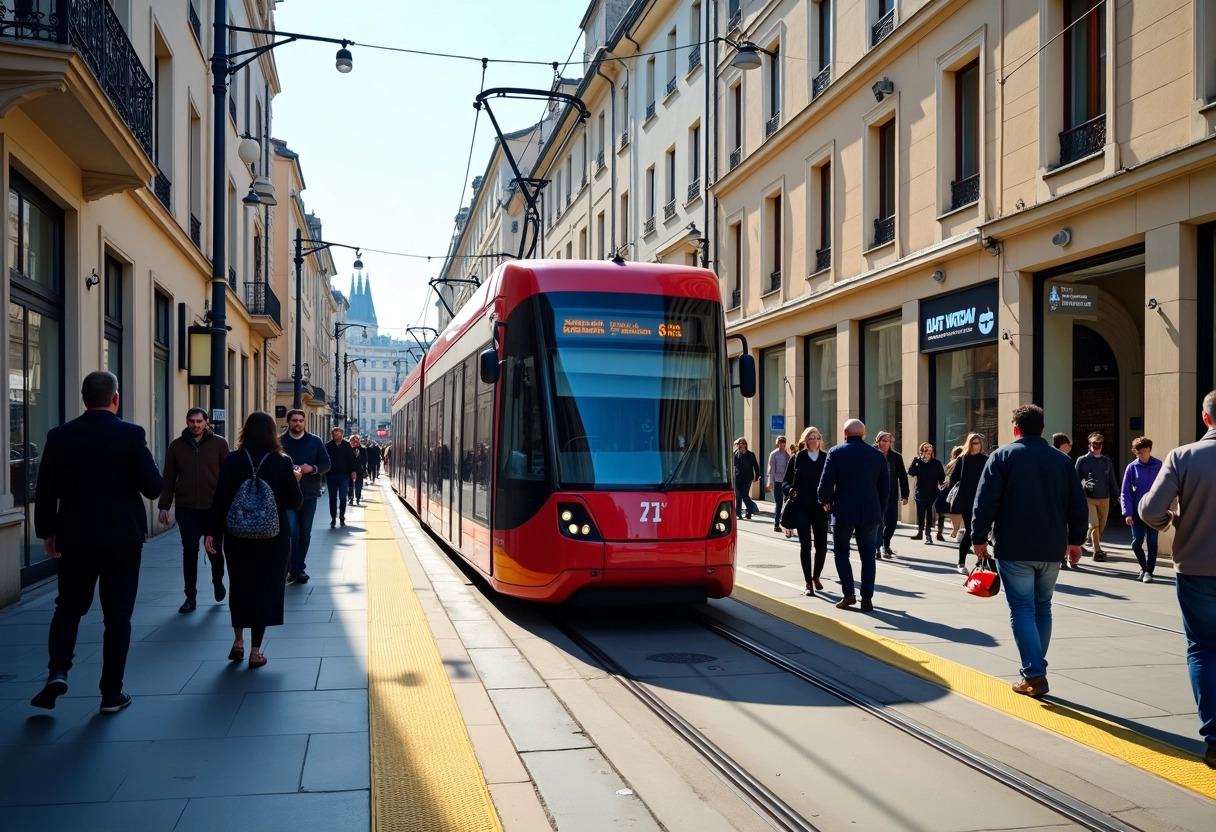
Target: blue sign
{"x":777,"y":423}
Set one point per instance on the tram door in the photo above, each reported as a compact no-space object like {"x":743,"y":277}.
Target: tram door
{"x":452,"y":395}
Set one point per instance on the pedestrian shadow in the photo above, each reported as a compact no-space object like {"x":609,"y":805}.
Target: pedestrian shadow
{"x":901,"y":622}
{"x":896,"y":591}
{"x":1087,"y":592}
{"x":1179,"y":741}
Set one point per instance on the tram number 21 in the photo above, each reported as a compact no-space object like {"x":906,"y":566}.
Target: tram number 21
{"x":651,"y":512}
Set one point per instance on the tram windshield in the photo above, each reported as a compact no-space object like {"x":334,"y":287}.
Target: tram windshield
{"x":638,"y":392}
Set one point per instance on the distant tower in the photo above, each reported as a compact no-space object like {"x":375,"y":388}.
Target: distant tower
{"x":362,"y":307}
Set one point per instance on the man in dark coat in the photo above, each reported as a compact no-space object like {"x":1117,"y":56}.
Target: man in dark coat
{"x":309,"y":457}
{"x":854,"y":489}
{"x":88,"y":512}
{"x":192,"y":468}
{"x":1031,"y":494}
{"x":374,"y":456}
{"x":341,"y":475}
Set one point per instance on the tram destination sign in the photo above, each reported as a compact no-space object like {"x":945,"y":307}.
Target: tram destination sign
{"x":959,"y":319}
{"x":586,"y":324}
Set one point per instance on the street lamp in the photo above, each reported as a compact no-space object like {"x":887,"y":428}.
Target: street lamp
{"x":351,"y":396}
{"x":297,"y":392}
{"x":339,"y":328}
{"x":222,"y":68}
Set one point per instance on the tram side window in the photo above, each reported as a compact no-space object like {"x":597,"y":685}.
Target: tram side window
{"x":482,"y":452}
{"x":411,"y":445}
{"x":522,"y":448}
{"x":468,"y":439}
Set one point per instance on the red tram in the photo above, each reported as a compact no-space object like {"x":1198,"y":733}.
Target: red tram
{"x":566,"y":434}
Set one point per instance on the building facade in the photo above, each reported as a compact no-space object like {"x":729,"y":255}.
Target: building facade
{"x":384,"y":362}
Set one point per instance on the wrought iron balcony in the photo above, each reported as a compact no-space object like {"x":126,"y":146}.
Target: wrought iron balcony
{"x":882,"y":28}
{"x":964,"y":191}
{"x":599,"y":161}
{"x":735,"y":298}
{"x":694,"y":57}
{"x":669,"y":210}
{"x":650,"y":110}
{"x":163,"y":190}
{"x":736,"y":20}
{"x":774,"y":281}
{"x":770,"y":126}
{"x":694,"y":189}
{"x":624,"y":140}
{"x":196,"y":25}
{"x":884,"y":231}
{"x":823,"y":259}
{"x":196,"y":231}
{"x":671,"y":86}
{"x":736,"y":156}
{"x":648,"y":226}
{"x":821,"y":81}
{"x":260,"y":299}
{"x":92,"y":29}
{"x":1083,"y":140}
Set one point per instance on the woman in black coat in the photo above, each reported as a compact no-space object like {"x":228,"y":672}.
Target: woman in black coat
{"x":898,"y":484}
{"x":966,"y":475}
{"x":360,"y":454}
{"x":802,"y":488}
{"x":929,"y":475}
{"x":256,"y":568}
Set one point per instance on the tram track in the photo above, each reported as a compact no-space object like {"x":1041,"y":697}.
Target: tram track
{"x":769,"y":804}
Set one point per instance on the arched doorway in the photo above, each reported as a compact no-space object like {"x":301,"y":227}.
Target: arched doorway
{"x":1095,"y":376}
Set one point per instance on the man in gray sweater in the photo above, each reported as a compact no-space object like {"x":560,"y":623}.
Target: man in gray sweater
{"x":1189,"y":476}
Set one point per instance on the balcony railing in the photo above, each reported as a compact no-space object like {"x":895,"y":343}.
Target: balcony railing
{"x":694,"y":57}
{"x":260,"y":299}
{"x":884,"y":231}
{"x":163,"y":189}
{"x":231,"y":276}
{"x":964,"y":191}
{"x":736,"y":156}
{"x":694,"y":189}
{"x":821,"y":81}
{"x":92,"y":29}
{"x":774,"y":281}
{"x":1083,"y":140}
{"x":736,"y":20}
{"x":669,"y":210}
{"x":624,"y":140}
{"x":195,"y":24}
{"x":671,"y":85}
{"x":650,"y":110}
{"x":648,"y":226}
{"x":735,"y":298}
{"x":770,"y":126}
{"x":599,"y":161}
{"x":823,"y":259}
{"x":884,"y":27}
{"x":196,"y":231}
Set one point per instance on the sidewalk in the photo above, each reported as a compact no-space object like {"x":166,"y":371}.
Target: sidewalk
{"x":207,"y":743}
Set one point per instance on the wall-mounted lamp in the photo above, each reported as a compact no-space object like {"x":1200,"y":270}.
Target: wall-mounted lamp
{"x":991,"y":245}
{"x":91,"y":280}
{"x":1152,"y":304}
{"x":938,"y":276}
{"x":883,"y":88}
{"x":1005,"y":336}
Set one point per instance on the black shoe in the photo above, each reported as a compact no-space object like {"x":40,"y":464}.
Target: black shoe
{"x":343,"y":521}
{"x":918,"y":536}
{"x":867,"y":605}
{"x":939,"y":536}
{"x":332,"y":522}
{"x":56,"y":686}
{"x":1209,"y":756}
{"x":929,"y":540}
{"x":749,"y":516}
{"x":220,"y":592}
{"x":114,"y":704}
{"x":291,"y":578}
{"x":188,"y":606}
{"x":301,"y":577}
{"x":776,"y":527}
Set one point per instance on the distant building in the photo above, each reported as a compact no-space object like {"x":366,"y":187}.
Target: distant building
{"x":386,"y":363}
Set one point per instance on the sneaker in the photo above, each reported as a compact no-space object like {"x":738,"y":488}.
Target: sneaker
{"x":115,"y":703}
{"x":291,"y":578}
{"x":56,"y":686}
{"x":1148,"y":578}
{"x":1099,"y":557}
{"x":888,"y":553}
{"x":962,"y":570}
{"x":301,"y":577}
{"x":929,"y":540}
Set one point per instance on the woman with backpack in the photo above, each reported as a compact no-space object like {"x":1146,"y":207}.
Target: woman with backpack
{"x":257,"y":485}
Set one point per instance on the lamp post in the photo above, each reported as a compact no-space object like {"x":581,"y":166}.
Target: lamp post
{"x":222,"y":68}
{"x":297,"y":399}
{"x":339,"y":328}
{"x":352,"y":396}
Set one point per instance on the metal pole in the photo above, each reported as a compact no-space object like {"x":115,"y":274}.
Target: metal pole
{"x":346,"y":391}
{"x":337,"y":379}
{"x":297,"y":398}
{"x":219,"y":258}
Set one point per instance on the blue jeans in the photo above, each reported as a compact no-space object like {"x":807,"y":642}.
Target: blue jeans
{"x":338,"y":487}
{"x":299,"y":525}
{"x":1028,"y":586}
{"x":1141,"y":531}
{"x":1197,"y":599}
{"x":867,"y":549}
{"x":743,"y":499}
{"x":778,"y":501}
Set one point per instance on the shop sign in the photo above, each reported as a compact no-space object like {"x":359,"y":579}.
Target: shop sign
{"x":777,"y":423}
{"x":1071,"y":299}
{"x":959,"y":319}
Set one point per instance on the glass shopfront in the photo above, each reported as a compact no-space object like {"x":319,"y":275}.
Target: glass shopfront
{"x":772,"y":405}
{"x":820,"y":407}
{"x":960,"y":329}
{"x":882,"y":379}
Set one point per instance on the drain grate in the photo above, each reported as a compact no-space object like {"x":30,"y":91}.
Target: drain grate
{"x":765,"y":566}
{"x":681,"y":658}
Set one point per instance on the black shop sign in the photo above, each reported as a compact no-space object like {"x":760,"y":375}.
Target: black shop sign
{"x":959,"y":319}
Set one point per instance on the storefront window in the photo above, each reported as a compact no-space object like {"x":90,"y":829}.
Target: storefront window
{"x":964,"y":395}
{"x":772,"y":403}
{"x":820,"y":388}
{"x":882,"y":379}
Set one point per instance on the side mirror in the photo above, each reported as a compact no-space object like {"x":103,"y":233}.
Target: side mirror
{"x":488,"y":367}
{"x":747,"y":376}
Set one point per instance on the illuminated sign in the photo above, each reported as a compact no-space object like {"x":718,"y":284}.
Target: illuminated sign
{"x":959,"y":319}
{"x":622,"y":327}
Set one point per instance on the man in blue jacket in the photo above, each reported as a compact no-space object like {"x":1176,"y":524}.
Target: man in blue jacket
{"x":1031,"y":493}
{"x":309,"y":457}
{"x":854,"y":489}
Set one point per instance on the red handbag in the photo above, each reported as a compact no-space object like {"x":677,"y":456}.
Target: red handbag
{"x":983,"y":580}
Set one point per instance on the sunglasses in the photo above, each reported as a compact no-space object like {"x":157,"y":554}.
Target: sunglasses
{"x":976,"y":442}
{"x":1095,"y":444}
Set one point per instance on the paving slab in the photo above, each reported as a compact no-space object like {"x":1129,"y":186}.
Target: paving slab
{"x":277,"y":812}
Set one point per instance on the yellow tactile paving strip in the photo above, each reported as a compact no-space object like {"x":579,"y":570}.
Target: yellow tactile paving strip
{"x":1151,"y":755}
{"x":424,"y":772}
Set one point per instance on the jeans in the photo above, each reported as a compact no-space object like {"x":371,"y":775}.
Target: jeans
{"x":80,"y":572}
{"x":1197,"y":599}
{"x":778,"y":500}
{"x":867,"y":548}
{"x":358,"y":488}
{"x":890,"y":519}
{"x":299,"y":525}
{"x":742,"y":498}
{"x":1141,"y":531}
{"x":338,"y":486}
{"x":190,"y":527}
{"x":1028,"y":586}
{"x":812,"y":527}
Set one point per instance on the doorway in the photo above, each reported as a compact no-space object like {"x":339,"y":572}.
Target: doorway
{"x":1095,"y":375}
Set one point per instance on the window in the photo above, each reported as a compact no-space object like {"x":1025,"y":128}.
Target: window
{"x":694,"y":36}
{"x":600,"y":133}
{"x":821,"y":385}
{"x":823,"y":255}
{"x":670,"y":171}
{"x":1206,"y":43}
{"x":650,"y":87}
{"x":772,"y":399}
{"x":882,"y":377}
{"x":582,"y":244}
{"x":965,"y":187}
{"x":362,"y":383}
{"x":886,"y":169}
{"x":650,"y":195}
{"x":965,"y":396}
{"x":736,"y":96}
{"x":694,"y":162}
{"x":671,"y":62}
{"x":162,"y":381}
{"x":824,"y":39}
{"x":625,"y":218}
{"x":196,"y":177}
{"x":884,"y":21}
{"x":111,"y":354}
{"x":1084,"y":79}
{"x":774,"y":82}
{"x":773,"y":220}
{"x":601,"y":243}
{"x":736,"y":244}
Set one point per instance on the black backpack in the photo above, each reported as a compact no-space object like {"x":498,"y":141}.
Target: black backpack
{"x":254,"y":513}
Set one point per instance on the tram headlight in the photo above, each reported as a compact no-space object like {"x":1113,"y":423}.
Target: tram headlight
{"x":722,"y":522}
{"x":575,"y":522}
{"x":724,"y":514}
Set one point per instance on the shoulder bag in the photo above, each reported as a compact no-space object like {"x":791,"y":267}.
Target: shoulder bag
{"x":952,"y":494}
{"x":983,"y":580}
{"x":791,"y":514}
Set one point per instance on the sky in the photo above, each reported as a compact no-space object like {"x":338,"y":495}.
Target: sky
{"x":385,"y":147}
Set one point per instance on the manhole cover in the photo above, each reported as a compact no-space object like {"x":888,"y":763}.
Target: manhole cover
{"x":765,"y":566}
{"x":681,"y":658}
